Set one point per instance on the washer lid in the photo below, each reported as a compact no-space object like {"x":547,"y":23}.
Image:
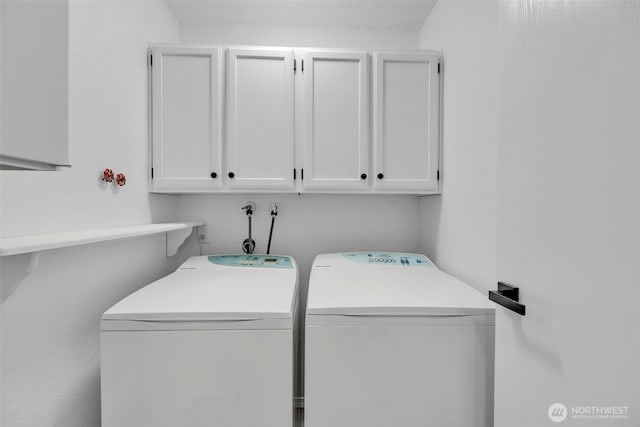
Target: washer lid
{"x":201,"y":290}
{"x":350,"y":284}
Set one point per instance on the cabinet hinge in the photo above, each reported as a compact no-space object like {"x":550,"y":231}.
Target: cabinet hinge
{"x":152,"y":173}
{"x":438,"y":68}
{"x":438,"y":176}
{"x":302,"y":65}
{"x":302,"y":174}
{"x":150,"y":60}
{"x":294,"y":174}
{"x":294,"y":65}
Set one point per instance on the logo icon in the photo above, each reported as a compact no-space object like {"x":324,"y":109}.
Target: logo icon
{"x":557,"y":412}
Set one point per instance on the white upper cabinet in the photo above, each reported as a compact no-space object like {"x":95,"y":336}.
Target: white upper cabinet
{"x":260,"y":129}
{"x":34,"y":82}
{"x":336,"y":120}
{"x":296,"y":120}
{"x":187,"y":118}
{"x":406,"y":121}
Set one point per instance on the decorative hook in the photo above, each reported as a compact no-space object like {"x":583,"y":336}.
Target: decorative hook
{"x":107,"y":175}
{"x":121,"y":180}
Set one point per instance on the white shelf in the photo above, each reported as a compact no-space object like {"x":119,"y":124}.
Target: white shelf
{"x":177,"y":232}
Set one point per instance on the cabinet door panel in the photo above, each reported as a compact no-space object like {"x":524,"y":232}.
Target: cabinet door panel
{"x":186,"y":118}
{"x":260,"y":151}
{"x":336,"y":120}
{"x":406,"y":121}
{"x":34,"y":83}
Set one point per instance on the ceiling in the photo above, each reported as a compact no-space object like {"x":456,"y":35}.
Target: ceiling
{"x":374,"y":14}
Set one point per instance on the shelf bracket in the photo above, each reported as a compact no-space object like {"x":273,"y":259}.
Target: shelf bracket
{"x":14,"y":272}
{"x":177,"y":238}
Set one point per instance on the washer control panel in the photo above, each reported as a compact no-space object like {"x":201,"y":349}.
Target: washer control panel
{"x":256,"y":261}
{"x":389,"y":258}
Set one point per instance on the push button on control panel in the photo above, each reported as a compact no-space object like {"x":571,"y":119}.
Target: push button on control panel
{"x":389,"y":259}
{"x":258,"y":261}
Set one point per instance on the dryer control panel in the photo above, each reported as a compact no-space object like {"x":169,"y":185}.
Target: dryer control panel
{"x":389,"y":258}
{"x":256,"y":261}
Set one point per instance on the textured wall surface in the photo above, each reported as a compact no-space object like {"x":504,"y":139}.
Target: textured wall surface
{"x":107,"y":127}
{"x":297,"y":36}
{"x":541,"y":175}
{"x":458,"y":228}
{"x":50,"y":318}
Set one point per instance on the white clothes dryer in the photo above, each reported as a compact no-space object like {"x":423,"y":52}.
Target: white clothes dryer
{"x":391,"y":340}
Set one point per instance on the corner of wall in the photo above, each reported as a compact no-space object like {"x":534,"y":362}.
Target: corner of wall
{"x":458,"y":228}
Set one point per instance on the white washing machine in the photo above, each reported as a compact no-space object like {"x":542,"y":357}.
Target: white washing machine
{"x":393,"y":341}
{"x":209,"y":345}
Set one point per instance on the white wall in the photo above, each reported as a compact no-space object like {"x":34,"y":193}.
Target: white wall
{"x":307,"y":225}
{"x":50,"y":318}
{"x":458,"y":228}
{"x":559,"y":123}
{"x":33,"y":81}
{"x":107,"y":127}
{"x":299,"y":36}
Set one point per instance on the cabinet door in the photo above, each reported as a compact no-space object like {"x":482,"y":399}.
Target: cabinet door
{"x":260,"y":151}
{"x":336,"y":114}
{"x":406,"y":121}
{"x":34,"y":130}
{"x":187,"y":118}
